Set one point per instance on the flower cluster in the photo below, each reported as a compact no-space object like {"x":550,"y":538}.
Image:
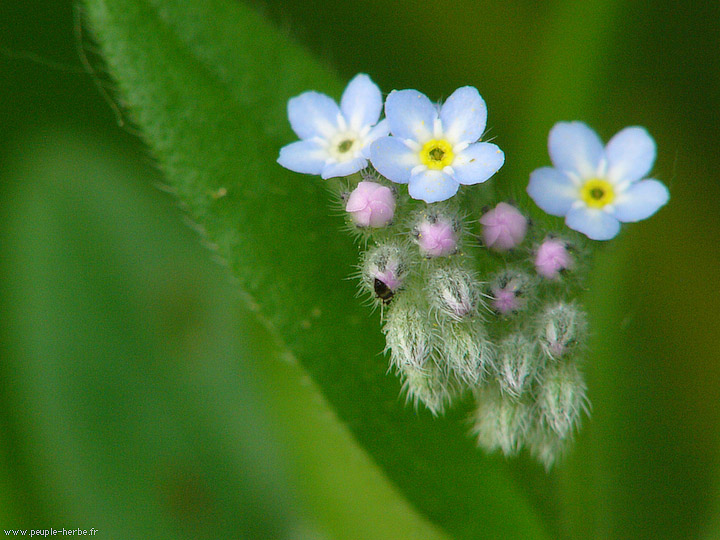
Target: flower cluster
{"x":474,"y":299}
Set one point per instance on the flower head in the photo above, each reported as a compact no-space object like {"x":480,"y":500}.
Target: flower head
{"x":432,"y":149}
{"x":504,"y":227}
{"x":371,"y":205}
{"x":334,"y":140}
{"x":596,"y":188}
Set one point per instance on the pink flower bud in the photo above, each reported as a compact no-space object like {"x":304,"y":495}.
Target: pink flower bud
{"x":371,"y":205}
{"x":505,"y":301}
{"x":509,"y":291}
{"x":390,"y":275}
{"x":504,"y":227}
{"x":437,"y":237}
{"x":551,"y":258}
{"x":383,"y":271}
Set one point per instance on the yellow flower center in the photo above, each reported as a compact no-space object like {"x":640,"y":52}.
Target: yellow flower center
{"x":597,"y":193}
{"x":437,"y":154}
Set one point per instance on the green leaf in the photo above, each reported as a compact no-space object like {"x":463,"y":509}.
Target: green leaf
{"x":207,"y":81}
{"x":120,"y":409}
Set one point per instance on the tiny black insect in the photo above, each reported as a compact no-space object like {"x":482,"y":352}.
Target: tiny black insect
{"x":382,"y":291}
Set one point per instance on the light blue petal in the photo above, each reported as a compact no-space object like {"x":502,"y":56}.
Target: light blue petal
{"x":552,"y":190}
{"x":630,"y":155}
{"x":432,"y":186}
{"x":593,"y":223}
{"x":411,"y":115}
{"x":343,"y":168}
{"x":380,"y":130}
{"x":477,"y":163}
{"x":641,"y":200}
{"x":361,"y":103}
{"x":307,"y":157}
{"x":574,"y":147}
{"x":393,"y":159}
{"x":464,"y":115}
{"x":313,"y":114}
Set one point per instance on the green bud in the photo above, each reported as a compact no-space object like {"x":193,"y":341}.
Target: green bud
{"x":561,"y":398}
{"x":518,"y":363}
{"x":500,"y":422}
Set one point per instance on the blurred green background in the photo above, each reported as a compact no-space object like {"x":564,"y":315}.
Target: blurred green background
{"x":139,"y":397}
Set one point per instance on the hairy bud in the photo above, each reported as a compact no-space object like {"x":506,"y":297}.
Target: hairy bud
{"x":518,"y":362}
{"x":466,"y":350}
{"x":510,"y":290}
{"x":429,"y":386}
{"x":561,"y":398}
{"x":545,"y":446}
{"x":561,"y":327}
{"x":409,"y":338}
{"x":453,"y":292}
{"x":384,"y":270}
{"x":500,"y":422}
{"x":436,"y":235}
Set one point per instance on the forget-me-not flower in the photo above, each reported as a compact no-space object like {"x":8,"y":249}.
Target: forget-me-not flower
{"x":432,"y":149}
{"x":334,"y":140}
{"x":596,"y":188}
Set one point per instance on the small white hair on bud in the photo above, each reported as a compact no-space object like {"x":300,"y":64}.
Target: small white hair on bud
{"x":465,"y":349}
{"x":518,"y":362}
{"x":454,"y":293}
{"x":561,"y":398}
{"x":500,"y":422}
{"x":561,"y":327}
{"x":410,"y":340}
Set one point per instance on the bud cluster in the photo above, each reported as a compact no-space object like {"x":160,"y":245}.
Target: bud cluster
{"x":475,"y":300}
{"x":512,"y":342}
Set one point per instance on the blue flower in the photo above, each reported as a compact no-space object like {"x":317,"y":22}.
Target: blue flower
{"x":433,"y":149}
{"x":334,"y":140}
{"x":596,"y":188}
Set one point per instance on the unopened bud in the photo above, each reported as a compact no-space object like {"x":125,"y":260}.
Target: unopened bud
{"x":504,"y":227}
{"x":453,"y":292}
{"x":466,"y":350}
{"x":552,"y":257}
{"x":384,"y":270}
{"x":409,"y":337}
{"x":561,"y":329}
{"x":408,"y":334}
{"x":561,"y":398}
{"x":500,"y":422}
{"x":509,"y":291}
{"x":545,"y":446}
{"x":437,"y":235}
{"x":517,"y":364}
{"x":371,"y":205}
{"x":428,"y":386}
